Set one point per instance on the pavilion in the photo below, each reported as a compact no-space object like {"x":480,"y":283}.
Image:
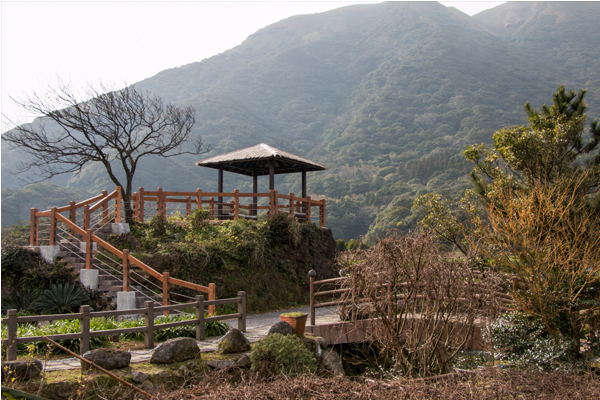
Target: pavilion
{"x":260,"y":160}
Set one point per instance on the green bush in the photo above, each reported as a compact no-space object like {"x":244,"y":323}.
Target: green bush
{"x":282,"y":354}
{"x":523,"y":341}
{"x":62,"y":298}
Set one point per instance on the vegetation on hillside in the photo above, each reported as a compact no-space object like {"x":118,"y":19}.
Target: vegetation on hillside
{"x":269,"y":258}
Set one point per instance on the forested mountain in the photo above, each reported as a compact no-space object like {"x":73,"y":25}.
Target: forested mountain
{"x":385,"y":95}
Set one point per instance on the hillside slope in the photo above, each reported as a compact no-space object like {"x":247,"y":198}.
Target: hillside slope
{"x":385,"y":95}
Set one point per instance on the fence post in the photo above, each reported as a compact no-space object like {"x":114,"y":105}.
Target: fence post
{"x":104,"y":208}
{"x":242,"y":311}
{"x":11,"y":351}
{"x":312,"y":274}
{"x":86,"y":217}
{"x":322,"y":215}
{"x":198,"y":199}
{"x":212,"y":295}
{"x":33,"y":231}
{"x":211,"y":207}
{"x":118,"y":201}
{"x":141,"y":206}
{"x":135,"y":206}
{"x":165,"y":281}
{"x":236,"y":204}
{"x":84,"y":324}
{"x":72,"y":214}
{"x":188,"y":205}
{"x":88,"y":249}
{"x":52,"y":226}
{"x":126,"y":270}
{"x":307,"y":209}
{"x":292,"y":211}
{"x":149,"y":322}
{"x":159,"y":201}
{"x":200,"y":317}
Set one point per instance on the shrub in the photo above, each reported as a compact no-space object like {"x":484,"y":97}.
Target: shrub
{"x":20,"y":301}
{"x":61,"y":298}
{"x":282,"y":354}
{"x":525,"y":342}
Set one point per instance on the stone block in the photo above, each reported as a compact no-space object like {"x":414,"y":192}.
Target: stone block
{"x":89,"y":278}
{"x":119,"y":229}
{"x":49,"y":253}
{"x":125,"y":301}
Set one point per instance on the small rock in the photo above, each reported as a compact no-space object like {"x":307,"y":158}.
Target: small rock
{"x":164,"y":375}
{"x":139,"y":377}
{"x":183,"y":371}
{"x":283,"y":328}
{"x":21,"y":370}
{"x":147,"y":386}
{"x":313,"y":346}
{"x":191,"y":365}
{"x":244,"y":361}
{"x":221,"y":364}
{"x":107,"y":359}
{"x":175,"y":350}
{"x":333,"y":362}
{"x":233,"y":342}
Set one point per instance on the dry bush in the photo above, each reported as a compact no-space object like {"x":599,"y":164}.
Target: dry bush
{"x":423,"y":301}
{"x":548,"y":236}
{"x":490,"y":384}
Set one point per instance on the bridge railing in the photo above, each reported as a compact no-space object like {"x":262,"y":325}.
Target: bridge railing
{"x":335,"y":291}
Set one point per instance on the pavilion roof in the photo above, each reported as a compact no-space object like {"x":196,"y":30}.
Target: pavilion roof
{"x":256,"y":159}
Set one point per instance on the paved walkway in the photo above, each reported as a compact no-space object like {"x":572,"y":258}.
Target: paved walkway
{"x":257,"y":327}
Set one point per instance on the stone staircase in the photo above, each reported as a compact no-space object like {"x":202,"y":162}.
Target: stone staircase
{"x":72,"y":251}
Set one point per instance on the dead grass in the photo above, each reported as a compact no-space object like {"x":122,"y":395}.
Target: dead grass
{"x":490,"y":383}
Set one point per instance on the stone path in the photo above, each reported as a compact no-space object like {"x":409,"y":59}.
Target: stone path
{"x":257,"y":327}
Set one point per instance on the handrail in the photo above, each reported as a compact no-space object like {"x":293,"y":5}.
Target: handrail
{"x":105,"y":200}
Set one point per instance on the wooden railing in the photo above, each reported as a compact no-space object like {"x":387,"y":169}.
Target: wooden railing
{"x":335,"y":288}
{"x":148,"y":329}
{"x":86,"y":209}
{"x":101,"y":203}
{"x":146,"y":204}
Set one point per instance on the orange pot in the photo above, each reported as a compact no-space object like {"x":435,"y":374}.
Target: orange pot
{"x":298,"y":323}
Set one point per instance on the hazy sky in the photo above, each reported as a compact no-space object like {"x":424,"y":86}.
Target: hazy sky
{"x":125,"y":42}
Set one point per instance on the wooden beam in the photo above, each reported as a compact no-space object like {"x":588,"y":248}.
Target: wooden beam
{"x":271,"y":174}
{"x":254,"y":190}
{"x":220,"y":190}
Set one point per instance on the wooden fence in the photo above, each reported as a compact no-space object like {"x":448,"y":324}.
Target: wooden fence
{"x":145,"y":204}
{"x":149,"y":311}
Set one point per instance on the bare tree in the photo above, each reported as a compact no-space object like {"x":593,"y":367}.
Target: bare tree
{"x":115,"y":128}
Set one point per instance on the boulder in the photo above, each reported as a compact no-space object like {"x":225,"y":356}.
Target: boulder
{"x":244,"y":361}
{"x":107,"y":359}
{"x":175,"y":350}
{"x":283,"y":328}
{"x":333,"y":362}
{"x":221,"y":364}
{"x":233,"y":342}
{"x":21,"y":370}
{"x":138,"y":377}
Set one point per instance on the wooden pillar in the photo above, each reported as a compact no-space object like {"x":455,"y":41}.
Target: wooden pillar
{"x":126,"y":270}
{"x":236,"y":204}
{"x":312,"y":274}
{"x":291,"y":210}
{"x":254,"y":210}
{"x":165,"y":282}
{"x":33,"y":228}
{"x":200,"y":317}
{"x":308,"y":209}
{"x":211,"y":207}
{"x":242,"y":311}
{"x":86,"y":217}
{"x":303,"y":188}
{"x":159,"y":201}
{"x":52,"y":226}
{"x":322,"y":215}
{"x":188,"y":205}
{"x":11,"y":349}
{"x":72,"y":215}
{"x":271,"y":174}
{"x":198,"y":199}
{"x":220,"y":190}
{"x":212,"y":295}
{"x":88,"y":249}
{"x":149,"y":322}
{"x":141,"y":200}
{"x":84,"y":341}
{"x":135,"y":204}
{"x":118,"y":201}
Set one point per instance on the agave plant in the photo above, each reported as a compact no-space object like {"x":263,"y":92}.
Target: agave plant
{"x":62,"y":298}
